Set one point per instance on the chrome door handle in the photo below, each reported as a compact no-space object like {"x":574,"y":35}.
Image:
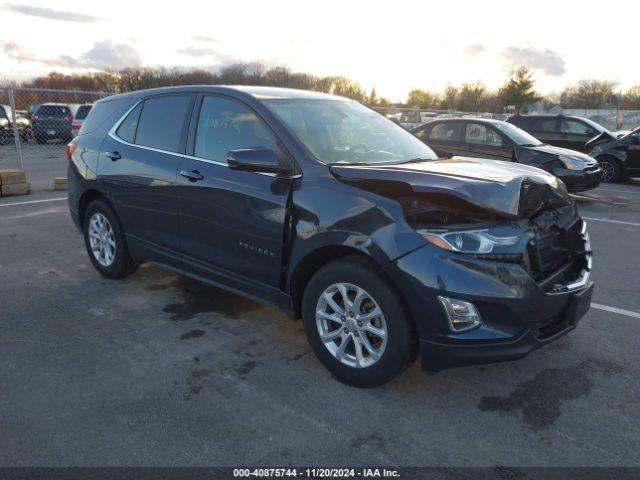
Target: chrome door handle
{"x":192,"y":176}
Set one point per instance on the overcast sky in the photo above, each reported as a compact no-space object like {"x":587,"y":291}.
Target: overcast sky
{"x":391,"y":45}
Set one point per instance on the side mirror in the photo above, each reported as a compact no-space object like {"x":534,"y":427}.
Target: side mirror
{"x":590,"y":132}
{"x":261,"y":160}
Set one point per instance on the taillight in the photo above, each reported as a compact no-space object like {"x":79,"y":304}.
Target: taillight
{"x":75,"y":126}
{"x":69,"y":118}
{"x":34,"y":117}
{"x":71,"y":147}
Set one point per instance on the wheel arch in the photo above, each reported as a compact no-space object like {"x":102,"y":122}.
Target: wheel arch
{"x":318,"y":258}
{"x":88,"y":197}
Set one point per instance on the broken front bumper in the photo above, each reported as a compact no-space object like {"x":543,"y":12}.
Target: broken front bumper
{"x":518,"y":314}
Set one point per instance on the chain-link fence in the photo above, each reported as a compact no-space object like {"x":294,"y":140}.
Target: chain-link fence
{"x":412,"y":117}
{"x":35,"y":127}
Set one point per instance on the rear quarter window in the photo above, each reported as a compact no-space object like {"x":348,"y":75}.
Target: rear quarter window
{"x":100,"y":112}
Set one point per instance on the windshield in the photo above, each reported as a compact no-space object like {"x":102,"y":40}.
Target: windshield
{"x":343,"y":131}
{"x":519,"y":136}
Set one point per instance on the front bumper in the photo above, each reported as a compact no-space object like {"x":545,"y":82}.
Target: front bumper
{"x":518,"y":315}
{"x":579,"y":180}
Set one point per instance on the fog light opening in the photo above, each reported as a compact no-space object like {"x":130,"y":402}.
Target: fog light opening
{"x":462,"y":315}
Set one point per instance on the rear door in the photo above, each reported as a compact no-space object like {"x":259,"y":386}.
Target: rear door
{"x":545,"y":129}
{"x":483,"y":141}
{"x":232,"y":222}
{"x":138,"y":167}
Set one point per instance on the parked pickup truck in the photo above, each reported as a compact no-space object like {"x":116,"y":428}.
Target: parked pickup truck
{"x":320,"y":206}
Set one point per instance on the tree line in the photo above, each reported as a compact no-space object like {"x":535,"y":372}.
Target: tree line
{"x":518,"y":90}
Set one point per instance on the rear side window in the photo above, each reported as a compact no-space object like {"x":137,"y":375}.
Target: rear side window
{"x":546,"y":125}
{"x":82,"y":112}
{"x":57,"y":111}
{"x":161,"y":122}
{"x":99,"y":114}
{"x":446,"y":132}
{"x":225,"y":125}
{"x":128,"y":127}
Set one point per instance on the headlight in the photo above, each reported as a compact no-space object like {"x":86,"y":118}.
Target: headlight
{"x":571,"y":162}
{"x":470,"y":241}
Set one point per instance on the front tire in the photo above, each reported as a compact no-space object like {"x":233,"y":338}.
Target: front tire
{"x":105,"y":241}
{"x":356,"y":323}
{"x":611,"y":170}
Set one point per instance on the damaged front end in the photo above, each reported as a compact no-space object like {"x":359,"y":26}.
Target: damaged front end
{"x":488,"y":210}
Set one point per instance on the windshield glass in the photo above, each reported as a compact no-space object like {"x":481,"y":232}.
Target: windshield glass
{"x":596,"y":126}
{"x":519,"y":136}
{"x":343,"y":131}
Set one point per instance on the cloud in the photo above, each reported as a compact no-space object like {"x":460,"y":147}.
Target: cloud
{"x":541,"y":59}
{"x":204,"y":39}
{"x":51,"y":14}
{"x":207,"y":52}
{"x":108,"y":55}
{"x":473,"y":50}
{"x":102,"y":56}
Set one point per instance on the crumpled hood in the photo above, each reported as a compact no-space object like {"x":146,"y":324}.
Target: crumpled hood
{"x":551,"y":150}
{"x":510,"y":190}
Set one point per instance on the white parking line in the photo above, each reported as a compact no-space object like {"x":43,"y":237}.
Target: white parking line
{"x":32,"y":201}
{"x":616,"y":190}
{"x":612,"y":221}
{"x":620,"y":311}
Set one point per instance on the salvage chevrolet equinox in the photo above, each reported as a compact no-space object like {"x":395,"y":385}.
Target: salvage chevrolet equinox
{"x":327,"y":210}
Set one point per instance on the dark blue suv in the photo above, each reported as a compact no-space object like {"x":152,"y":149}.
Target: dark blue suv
{"x":319,"y":206}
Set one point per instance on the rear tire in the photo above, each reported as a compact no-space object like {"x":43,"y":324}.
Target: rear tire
{"x":105,"y":241}
{"x":354,"y":348}
{"x":611,"y":169}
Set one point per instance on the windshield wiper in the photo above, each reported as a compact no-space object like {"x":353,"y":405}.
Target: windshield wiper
{"x":414,"y":160}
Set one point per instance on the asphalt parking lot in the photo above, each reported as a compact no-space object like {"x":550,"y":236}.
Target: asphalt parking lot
{"x":158,"y":369}
{"x":41,"y":162}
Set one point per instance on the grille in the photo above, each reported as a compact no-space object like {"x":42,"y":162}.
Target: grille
{"x":551,"y":250}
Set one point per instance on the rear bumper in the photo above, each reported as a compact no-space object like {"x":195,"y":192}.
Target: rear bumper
{"x":518,"y":316}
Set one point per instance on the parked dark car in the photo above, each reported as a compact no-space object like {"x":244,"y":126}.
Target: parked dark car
{"x":52,"y":121}
{"x":6,"y":126}
{"x":618,"y":157}
{"x":322,"y":207}
{"x":80,"y":115}
{"x":497,"y":140}
{"x":559,"y":130}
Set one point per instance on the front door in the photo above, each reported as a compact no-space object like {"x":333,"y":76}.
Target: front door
{"x":232,"y":222}
{"x":483,"y":141}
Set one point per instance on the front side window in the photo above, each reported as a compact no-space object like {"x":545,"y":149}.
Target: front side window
{"x":225,"y":125}
{"x":446,"y":132}
{"x":546,"y":125}
{"x":575,"y":127}
{"x":161,"y":122}
{"x":482,"y":135}
{"x":343,"y":131}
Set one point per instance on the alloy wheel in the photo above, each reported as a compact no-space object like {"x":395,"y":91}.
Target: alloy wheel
{"x":351,"y":325}
{"x":102,"y":239}
{"x":608,"y":170}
